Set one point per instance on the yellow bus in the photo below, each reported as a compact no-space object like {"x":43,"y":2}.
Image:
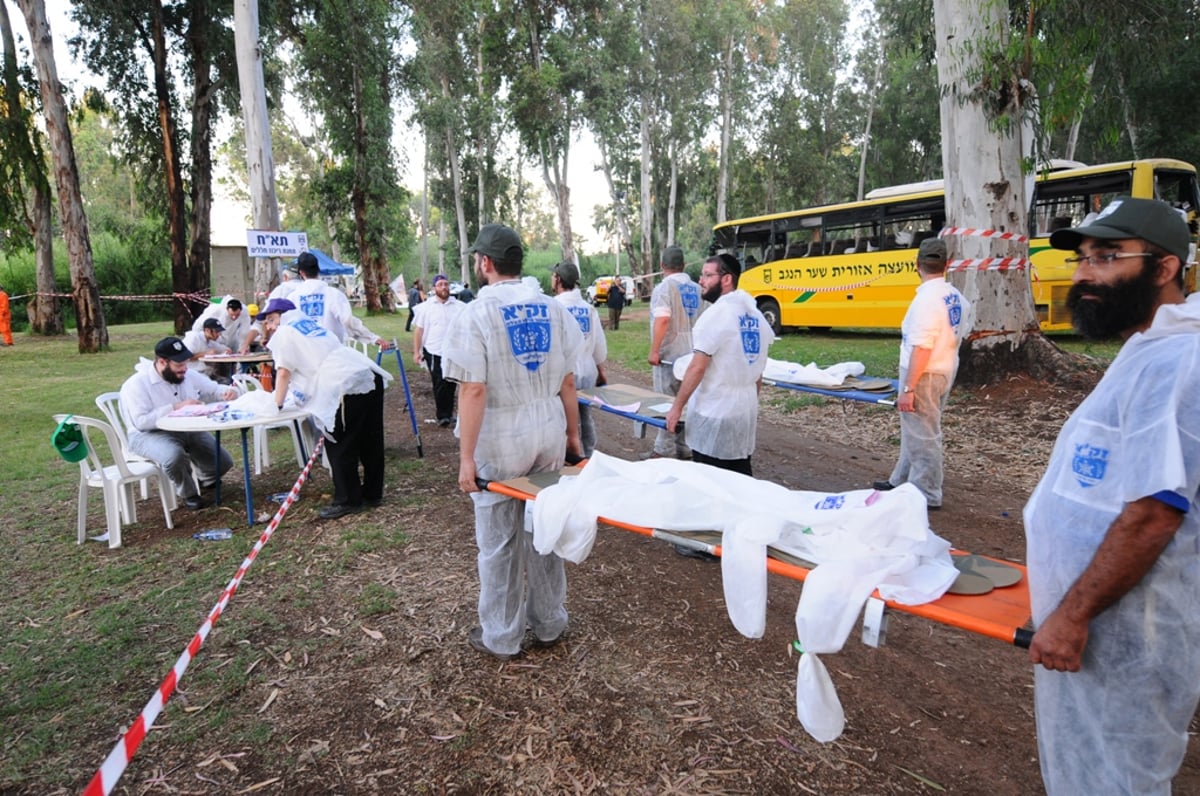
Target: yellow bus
{"x":853,"y":265}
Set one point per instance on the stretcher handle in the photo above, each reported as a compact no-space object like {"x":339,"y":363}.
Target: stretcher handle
{"x":1022,"y":638}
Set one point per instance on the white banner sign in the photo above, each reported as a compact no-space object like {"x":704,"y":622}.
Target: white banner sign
{"x":265,"y":243}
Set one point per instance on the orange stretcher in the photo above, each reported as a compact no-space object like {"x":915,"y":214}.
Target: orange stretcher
{"x":1002,"y":612}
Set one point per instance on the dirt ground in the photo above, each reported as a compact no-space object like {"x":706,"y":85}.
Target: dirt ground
{"x":654,"y":692}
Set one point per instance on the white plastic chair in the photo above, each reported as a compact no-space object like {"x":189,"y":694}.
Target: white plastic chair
{"x":110,"y":404}
{"x":246,"y":382}
{"x":114,"y":480}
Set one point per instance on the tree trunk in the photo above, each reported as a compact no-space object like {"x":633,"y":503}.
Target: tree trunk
{"x":866,"y":144}
{"x":89,"y":314}
{"x":618,"y":197}
{"x":176,"y":211}
{"x":673,"y":191}
{"x":260,"y":159}
{"x":726,"y":82}
{"x":460,"y":213}
{"x":203,"y":91}
{"x":984,"y":190}
{"x":45,"y":311}
{"x":556,"y":183}
{"x":648,"y":264}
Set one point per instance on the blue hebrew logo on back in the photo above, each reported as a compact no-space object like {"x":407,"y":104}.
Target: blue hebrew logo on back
{"x":689,"y":294}
{"x":830,"y":502}
{"x":313,"y":305}
{"x":751,"y":337}
{"x":584,"y":316}
{"x":308,"y":327}
{"x":1089,"y":464}
{"x":953,"y":309}
{"x":528,"y":327}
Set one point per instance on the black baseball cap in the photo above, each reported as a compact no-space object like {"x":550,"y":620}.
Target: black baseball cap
{"x":500,"y":242}
{"x":213,"y":323}
{"x":172,"y":348}
{"x":1150,"y":220}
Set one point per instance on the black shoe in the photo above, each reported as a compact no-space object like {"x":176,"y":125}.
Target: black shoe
{"x":195,"y":503}
{"x":443,"y":422}
{"x":372,"y":503}
{"x":690,"y":552}
{"x":207,"y":485}
{"x":337,"y":510}
{"x":554,"y":642}
{"x":883,"y":486}
{"x":934,"y":508}
{"x":475,"y":639}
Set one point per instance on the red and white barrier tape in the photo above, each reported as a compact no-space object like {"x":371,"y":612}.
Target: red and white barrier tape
{"x":994,"y":234}
{"x":197,"y":298}
{"x":114,"y":765}
{"x":837,"y":289}
{"x":989,"y":264}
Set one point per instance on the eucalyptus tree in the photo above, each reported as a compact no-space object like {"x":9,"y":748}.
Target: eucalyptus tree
{"x":89,"y":314}
{"x":25,"y":198}
{"x":348,"y":53}
{"x":135,"y":45}
{"x":546,"y":77}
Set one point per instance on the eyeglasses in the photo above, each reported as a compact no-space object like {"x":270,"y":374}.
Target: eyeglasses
{"x":1101,"y":260}
{"x":706,"y":275}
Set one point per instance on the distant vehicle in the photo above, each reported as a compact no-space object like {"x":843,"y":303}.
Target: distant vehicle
{"x":597,"y":292}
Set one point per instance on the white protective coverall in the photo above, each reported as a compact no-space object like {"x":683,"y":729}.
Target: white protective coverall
{"x":860,"y":541}
{"x":235,"y":329}
{"x":322,"y":369}
{"x":592,"y":353}
{"x":521,"y":344}
{"x":722,"y":414}
{"x":329,"y":307}
{"x":1120,"y":724}
{"x":678,"y":299}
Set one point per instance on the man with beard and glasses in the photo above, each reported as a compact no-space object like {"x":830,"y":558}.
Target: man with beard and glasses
{"x":720,"y":386}
{"x":1112,"y":530}
{"x":158,"y":388}
{"x":935,"y":324}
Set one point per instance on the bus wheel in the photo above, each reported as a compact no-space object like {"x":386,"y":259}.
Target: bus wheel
{"x":770,"y":309}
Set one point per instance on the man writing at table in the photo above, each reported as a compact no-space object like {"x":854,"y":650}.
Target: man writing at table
{"x":158,"y":388}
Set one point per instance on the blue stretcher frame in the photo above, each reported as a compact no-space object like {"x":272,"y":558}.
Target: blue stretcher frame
{"x":870,"y":397}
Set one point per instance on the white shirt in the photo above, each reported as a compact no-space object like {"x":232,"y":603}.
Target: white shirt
{"x":146,"y":396}
{"x":938,"y":318}
{"x":722,"y":414}
{"x":434,"y":317}
{"x":594,"y":349}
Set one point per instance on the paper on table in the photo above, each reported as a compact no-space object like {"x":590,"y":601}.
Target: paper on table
{"x":199,"y":410}
{"x":661,"y":408}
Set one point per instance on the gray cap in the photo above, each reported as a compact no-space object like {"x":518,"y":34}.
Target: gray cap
{"x":933,"y":250}
{"x":567,"y":273}
{"x":499,"y":242}
{"x":1150,"y":220}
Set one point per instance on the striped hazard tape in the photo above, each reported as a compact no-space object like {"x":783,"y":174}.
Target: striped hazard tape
{"x":989,"y":264}
{"x":835,"y":289}
{"x":994,"y":234}
{"x":195,"y":298}
{"x":114,"y":765}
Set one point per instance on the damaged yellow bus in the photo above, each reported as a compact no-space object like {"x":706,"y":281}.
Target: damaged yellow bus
{"x":853,"y":265}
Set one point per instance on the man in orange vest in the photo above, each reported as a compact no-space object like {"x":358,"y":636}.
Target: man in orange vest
{"x":5,"y":318}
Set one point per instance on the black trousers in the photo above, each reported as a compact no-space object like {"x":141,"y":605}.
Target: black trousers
{"x":358,"y":440}
{"x":737,"y":465}
{"x":444,"y":390}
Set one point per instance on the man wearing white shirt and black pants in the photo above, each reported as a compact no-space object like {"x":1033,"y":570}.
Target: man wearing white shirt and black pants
{"x":327,"y":305}
{"x":432,"y":319}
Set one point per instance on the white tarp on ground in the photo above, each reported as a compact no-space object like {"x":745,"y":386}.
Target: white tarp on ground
{"x":860,"y":540}
{"x":811,"y":375}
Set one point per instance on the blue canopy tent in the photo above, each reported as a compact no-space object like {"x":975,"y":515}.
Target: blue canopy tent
{"x":329,"y":267}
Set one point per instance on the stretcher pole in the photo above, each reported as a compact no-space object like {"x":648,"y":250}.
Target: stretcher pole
{"x":1017,"y":636}
{"x":408,"y":402}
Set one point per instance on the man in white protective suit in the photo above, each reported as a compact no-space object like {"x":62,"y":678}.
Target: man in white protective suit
{"x":721,"y":384}
{"x":327,"y":305}
{"x":589,"y":365}
{"x":1113,"y":527}
{"x":512,"y":350}
{"x":675,"y":305}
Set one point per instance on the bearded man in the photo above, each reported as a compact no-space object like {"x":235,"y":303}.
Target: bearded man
{"x":1113,"y":528}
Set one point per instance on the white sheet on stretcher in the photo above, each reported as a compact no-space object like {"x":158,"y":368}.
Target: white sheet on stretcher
{"x":860,"y":541}
{"x":810,"y":375}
